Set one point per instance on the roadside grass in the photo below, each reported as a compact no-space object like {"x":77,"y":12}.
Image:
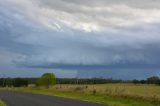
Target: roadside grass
{"x":110,"y":94}
{"x":2,"y":103}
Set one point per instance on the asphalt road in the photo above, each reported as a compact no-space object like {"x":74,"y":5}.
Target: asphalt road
{"x":12,"y":98}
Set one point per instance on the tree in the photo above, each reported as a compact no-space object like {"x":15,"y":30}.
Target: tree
{"x":46,"y":80}
{"x":153,"y":80}
{"x":18,"y":82}
{"x":135,"y":81}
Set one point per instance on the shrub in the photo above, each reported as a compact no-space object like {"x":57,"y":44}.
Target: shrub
{"x":46,"y":80}
{"x":78,"y":89}
{"x":94,"y":92}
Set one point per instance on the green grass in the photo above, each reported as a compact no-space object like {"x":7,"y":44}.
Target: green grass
{"x":2,"y":103}
{"x":110,"y":94}
{"x":104,"y":99}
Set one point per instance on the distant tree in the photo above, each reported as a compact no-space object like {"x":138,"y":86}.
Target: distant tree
{"x":47,"y":79}
{"x":18,"y":82}
{"x":143,"y":81}
{"x":135,"y":81}
{"x":153,"y":80}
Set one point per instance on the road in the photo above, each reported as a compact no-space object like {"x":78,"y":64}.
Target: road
{"x":12,"y":98}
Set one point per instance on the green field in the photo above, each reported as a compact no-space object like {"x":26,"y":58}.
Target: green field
{"x":111,"y":94}
{"x":2,"y":103}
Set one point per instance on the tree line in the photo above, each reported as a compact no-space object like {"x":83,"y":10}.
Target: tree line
{"x":47,"y":79}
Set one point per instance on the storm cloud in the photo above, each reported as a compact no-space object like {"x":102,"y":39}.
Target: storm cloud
{"x":80,"y":35}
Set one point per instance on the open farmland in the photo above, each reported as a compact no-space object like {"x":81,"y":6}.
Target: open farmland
{"x":111,"y":94}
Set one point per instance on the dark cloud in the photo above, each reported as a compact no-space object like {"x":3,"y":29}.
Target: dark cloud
{"x":80,"y":36}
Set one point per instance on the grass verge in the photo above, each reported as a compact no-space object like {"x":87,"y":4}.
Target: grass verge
{"x":98,"y":98}
{"x":2,"y":103}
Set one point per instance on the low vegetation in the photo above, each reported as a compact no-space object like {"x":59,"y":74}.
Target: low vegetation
{"x":111,"y":94}
{"x":2,"y":103}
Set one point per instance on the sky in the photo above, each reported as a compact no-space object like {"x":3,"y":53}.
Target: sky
{"x":80,"y":38}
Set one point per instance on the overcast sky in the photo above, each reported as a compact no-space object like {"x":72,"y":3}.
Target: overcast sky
{"x":80,"y":38}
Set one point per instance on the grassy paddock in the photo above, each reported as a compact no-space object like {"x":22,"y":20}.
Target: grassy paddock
{"x":111,"y":94}
{"x":2,"y":103}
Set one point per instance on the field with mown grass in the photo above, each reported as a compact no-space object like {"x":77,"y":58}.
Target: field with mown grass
{"x":110,"y":94}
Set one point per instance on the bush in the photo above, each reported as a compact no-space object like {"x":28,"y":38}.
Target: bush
{"x":78,"y":89}
{"x":46,"y":80}
{"x":94,"y":92}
